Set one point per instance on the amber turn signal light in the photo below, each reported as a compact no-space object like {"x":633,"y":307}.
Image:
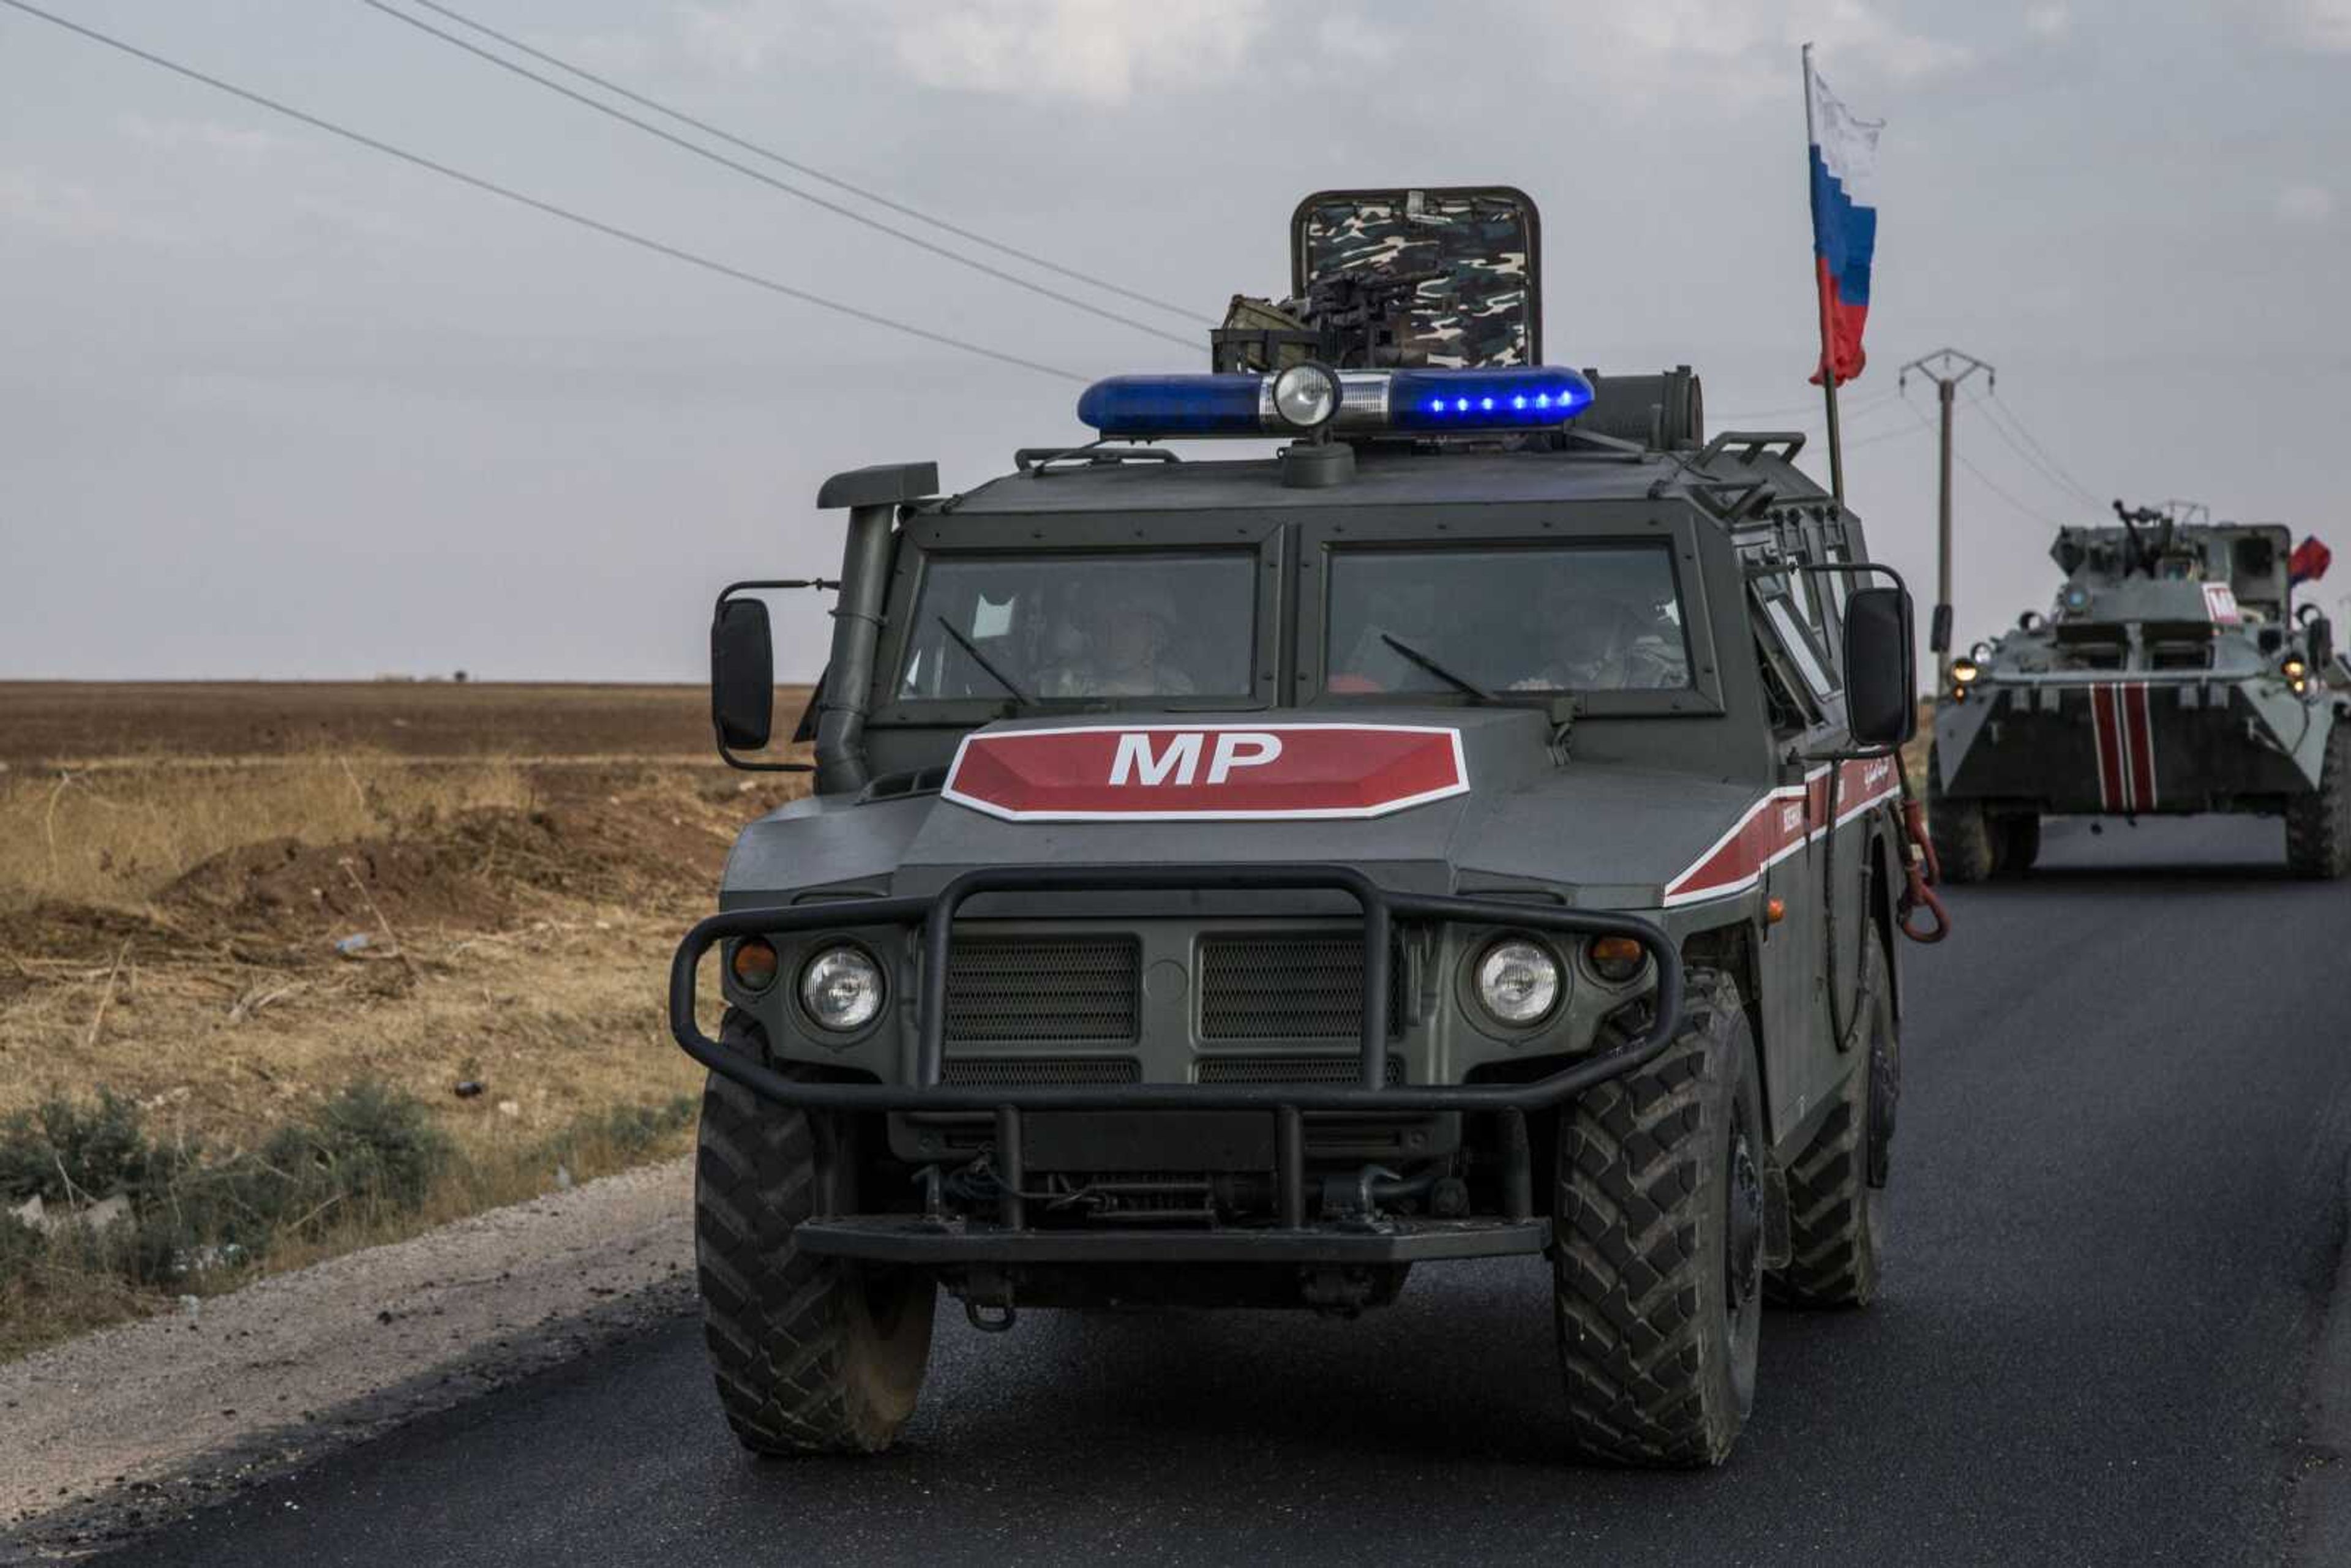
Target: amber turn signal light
{"x":1616,"y":959}
{"x":753,"y":964}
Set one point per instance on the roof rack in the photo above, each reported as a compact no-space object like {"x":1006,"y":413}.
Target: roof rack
{"x":1041,"y":460}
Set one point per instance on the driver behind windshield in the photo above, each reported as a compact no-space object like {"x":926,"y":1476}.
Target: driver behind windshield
{"x":1124,"y":633}
{"x":1589,"y":643}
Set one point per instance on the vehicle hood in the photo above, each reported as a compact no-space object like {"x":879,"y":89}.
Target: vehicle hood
{"x":1365,"y":790}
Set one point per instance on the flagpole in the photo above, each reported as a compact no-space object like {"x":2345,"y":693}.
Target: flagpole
{"x":1820,"y":291}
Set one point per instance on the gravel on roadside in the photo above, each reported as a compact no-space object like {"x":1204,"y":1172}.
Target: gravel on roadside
{"x":134,"y":1425}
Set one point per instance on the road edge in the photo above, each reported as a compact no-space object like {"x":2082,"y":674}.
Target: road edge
{"x":2319,"y":1520}
{"x":367,"y":1342}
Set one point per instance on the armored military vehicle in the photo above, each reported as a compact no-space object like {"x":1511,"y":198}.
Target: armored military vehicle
{"x":1469,"y":831}
{"x":2174,"y":675}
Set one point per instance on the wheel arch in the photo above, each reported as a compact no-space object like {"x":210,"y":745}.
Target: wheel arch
{"x":1884,"y":876}
{"x":1731,"y":948}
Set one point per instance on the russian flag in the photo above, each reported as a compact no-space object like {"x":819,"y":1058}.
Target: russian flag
{"x":1844,"y":222}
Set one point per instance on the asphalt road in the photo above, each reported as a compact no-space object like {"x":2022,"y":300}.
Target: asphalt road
{"x":2117,"y":1211}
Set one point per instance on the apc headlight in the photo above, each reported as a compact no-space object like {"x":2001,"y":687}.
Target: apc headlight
{"x":841,"y":989}
{"x":1965,"y":671}
{"x":1306,"y":396}
{"x":1517,"y":982}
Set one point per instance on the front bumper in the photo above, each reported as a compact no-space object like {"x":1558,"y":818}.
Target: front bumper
{"x":932,"y":1241}
{"x":958,"y":1243}
{"x":2166,"y":744}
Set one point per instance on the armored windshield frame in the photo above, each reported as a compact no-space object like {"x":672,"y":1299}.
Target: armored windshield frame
{"x":1258,"y":535}
{"x":1576,"y":524}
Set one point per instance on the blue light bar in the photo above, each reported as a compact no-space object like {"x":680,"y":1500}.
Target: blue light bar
{"x":1174,"y":405}
{"x":1517,"y":397}
{"x":1421,"y":402}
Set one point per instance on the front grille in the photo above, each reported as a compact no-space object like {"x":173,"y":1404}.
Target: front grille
{"x":1002,"y":1071}
{"x":1289,"y":987}
{"x":1289,"y":1069}
{"x":1020,"y":991}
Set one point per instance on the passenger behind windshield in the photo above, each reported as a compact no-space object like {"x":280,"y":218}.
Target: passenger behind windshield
{"x":1568,"y":619}
{"x":1061,"y":627}
{"x":1125,"y":646}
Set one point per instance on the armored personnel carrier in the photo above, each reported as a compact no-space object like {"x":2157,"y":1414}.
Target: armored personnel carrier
{"x":1469,"y":832}
{"x":2174,"y":675}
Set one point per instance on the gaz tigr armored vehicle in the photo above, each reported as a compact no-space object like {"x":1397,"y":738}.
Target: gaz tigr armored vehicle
{"x":1469,"y":831}
{"x":2174,"y":675}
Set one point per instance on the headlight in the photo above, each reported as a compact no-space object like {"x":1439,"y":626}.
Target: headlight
{"x":842,"y":990}
{"x":1518,"y":981}
{"x":1306,"y":396}
{"x":1965,"y":671}
{"x":2293,"y":667}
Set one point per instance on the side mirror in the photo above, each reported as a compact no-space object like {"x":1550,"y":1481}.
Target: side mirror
{"x":1880,"y":667}
{"x":742,"y":675}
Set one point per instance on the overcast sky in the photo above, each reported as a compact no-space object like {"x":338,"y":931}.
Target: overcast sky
{"x":277,"y":406}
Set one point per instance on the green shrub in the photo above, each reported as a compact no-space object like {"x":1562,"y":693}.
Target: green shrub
{"x":61,"y":1151}
{"x":20,"y":1248}
{"x":370,"y":1146}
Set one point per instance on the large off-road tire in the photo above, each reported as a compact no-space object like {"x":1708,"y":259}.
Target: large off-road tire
{"x":1837,"y":1203}
{"x":811,"y":1354}
{"x":2015,"y":842}
{"x":1658,"y":1267}
{"x":2318,"y":825}
{"x":1958,"y":830}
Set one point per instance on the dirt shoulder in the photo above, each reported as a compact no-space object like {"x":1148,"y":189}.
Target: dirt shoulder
{"x":144,"y":1422}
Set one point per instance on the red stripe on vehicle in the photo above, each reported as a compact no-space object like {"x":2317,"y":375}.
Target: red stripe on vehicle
{"x":2142,"y":750}
{"x":2110,"y":766}
{"x":1779,"y":825}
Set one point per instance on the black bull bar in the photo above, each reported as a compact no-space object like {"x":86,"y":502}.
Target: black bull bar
{"x":1286,"y":1102}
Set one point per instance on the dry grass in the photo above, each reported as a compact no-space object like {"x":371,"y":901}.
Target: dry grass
{"x":118,"y":836}
{"x":168,"y":927}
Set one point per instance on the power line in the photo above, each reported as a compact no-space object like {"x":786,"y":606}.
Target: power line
{"x":1985,"y":479}
{"x":629,"y":237}
{"x":813,"y":173}
{"x":769,"y":179}
{"x":1793,"y":411}
{"x":2044,"y":461}
{"x":1895,"y":433}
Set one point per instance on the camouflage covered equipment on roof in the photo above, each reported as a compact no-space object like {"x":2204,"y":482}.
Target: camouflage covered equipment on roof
{"x":1445,"y":278}
{"x":2173,"y":675}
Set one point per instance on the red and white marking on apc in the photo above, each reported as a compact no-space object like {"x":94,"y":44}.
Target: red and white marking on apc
{"x":2126,"y":738}
{"x":1780,"y":824}
{"x":1205,"y":772}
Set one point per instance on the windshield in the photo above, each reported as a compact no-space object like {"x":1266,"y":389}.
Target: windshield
{"x":1130,"y":624}
{"x":1560,"y":618}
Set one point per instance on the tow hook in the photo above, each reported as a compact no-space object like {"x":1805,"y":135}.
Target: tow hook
{"x":1920,"y":873}
{"x":987,"y":1300}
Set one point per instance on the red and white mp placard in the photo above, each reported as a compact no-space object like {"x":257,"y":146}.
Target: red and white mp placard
{"x":1165,"y":772}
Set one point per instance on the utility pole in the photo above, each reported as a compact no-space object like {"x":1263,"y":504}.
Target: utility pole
{"x":1947,"y":367}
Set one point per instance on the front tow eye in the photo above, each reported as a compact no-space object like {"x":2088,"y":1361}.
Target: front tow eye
{"x":1921,"y":871}
{"x":990,"y":1318}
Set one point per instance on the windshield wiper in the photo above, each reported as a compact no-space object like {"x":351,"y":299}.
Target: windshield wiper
{"x":1440,"y":671}
{"x":985,"y":663}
